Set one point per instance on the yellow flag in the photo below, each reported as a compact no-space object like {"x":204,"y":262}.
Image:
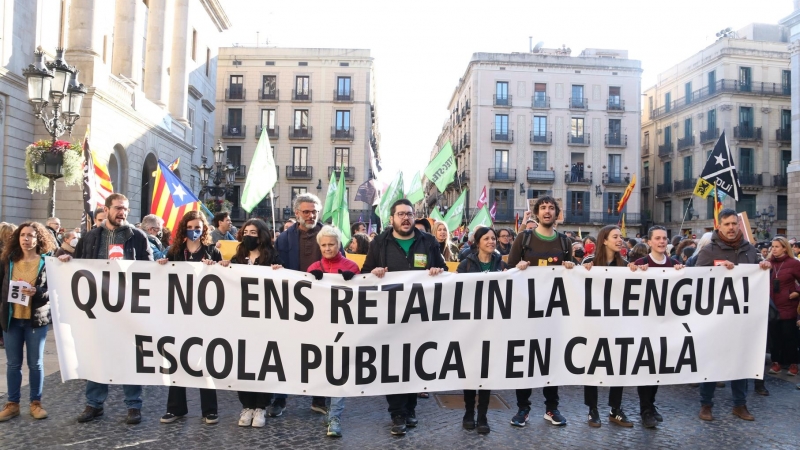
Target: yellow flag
{"x":703,"y":188}
{"x":622,"y":228}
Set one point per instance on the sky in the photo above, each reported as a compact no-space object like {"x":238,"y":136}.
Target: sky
{"x":422,"y":48}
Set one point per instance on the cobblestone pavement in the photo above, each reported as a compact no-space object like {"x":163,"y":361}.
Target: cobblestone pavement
{"x":366,"y":424}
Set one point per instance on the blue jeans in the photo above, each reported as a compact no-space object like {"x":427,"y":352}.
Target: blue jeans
{"x":336,"y":408}
{"x":96,"y":394}
{"x":738,"y":389}
{"x":21,"y":334}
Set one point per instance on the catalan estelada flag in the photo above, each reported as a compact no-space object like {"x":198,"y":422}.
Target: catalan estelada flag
{"x":717,"y":208}
{"x":171,"y":197}
{"x":102,"y":179}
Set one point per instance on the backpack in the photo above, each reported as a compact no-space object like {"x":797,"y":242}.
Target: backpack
{"x":566,"y":245}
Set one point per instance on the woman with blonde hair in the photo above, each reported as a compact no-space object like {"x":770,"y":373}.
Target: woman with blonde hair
{"x":784,"y":300}
{"x":442,"y":234}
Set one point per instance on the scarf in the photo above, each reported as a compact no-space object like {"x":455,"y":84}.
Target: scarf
{"x":68,"y":248}
{"x":735,"y":242}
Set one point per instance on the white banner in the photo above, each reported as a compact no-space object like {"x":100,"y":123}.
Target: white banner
{"x":251,"y":328}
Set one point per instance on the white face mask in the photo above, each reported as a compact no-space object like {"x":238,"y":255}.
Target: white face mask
{"x":74,"y":242}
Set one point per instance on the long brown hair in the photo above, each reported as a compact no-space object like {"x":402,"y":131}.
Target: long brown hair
{"x":45,"y":243}
{"x":600,"y":250}
{"x":179,"y":242}
{"x":266,"y":251}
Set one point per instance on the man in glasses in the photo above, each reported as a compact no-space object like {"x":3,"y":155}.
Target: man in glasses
{"x":403,"y":247}
{"x":504,"y":240}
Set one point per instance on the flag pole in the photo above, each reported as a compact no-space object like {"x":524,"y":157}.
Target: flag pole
{"x":272,"y":208}
{"x":689,"y":205}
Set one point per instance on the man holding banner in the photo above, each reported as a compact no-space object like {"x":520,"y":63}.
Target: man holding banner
{"x":399,"y":248}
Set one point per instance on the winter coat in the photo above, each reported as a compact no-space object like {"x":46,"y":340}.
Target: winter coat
{"x":334,"y":265}
{"x":471,"y":264}
{"x":453,"y":251}
{"x":288,"y":246}
{"x":209,"y":251}
{"x":135,"y":248}
{"x":717,"y":250}
{"x":157,"y":247}
{"x":40,"y":303}
{"x":787,"y":271}
{"x":384,"y":251}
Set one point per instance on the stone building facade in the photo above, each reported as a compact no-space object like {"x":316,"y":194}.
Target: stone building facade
{"x":792,"y":22}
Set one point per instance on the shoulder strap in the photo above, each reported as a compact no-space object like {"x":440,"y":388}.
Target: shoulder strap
{"x":566,"y":247}
{"x":526,"y":243}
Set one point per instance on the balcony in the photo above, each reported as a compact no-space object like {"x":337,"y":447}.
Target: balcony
{"x":301,"y":133}
{"x":542,"y":138}
{"x":273,"y":133}
{"x":504,"y":215}
{"x":237,"y":131}
{"x":576,"y":216}
{"x":583,"y":139}
{"x":541,"y":176}
{"x":780,"y":181}
{"x":685,"y":186}
{"x":616,"y":179}
{"x":615,"y":104}
{"x":540,"y":102}
{"x":646,"y":180}
{"x":747,"y":133}
{"x":272,"y":96}
{"x":783,"y":135}
{"x":299,"y":172}
{"x":502,"y":175}
{"x":578,"y":103}
{"x":261,"y":212}
{"x":238,"y":214}
{"x":685,"y":143}
{"x":302,"y":96}
{"x":616,"y":140}
{"x":665,"y":150}
{"x":664,"y":190}
{"x":611,"y":218}
{"x":577,"y":177}
{"x":235,"y":95}
{"x":462,"y":177}
{"x":241,"y":171}
{"x":721,"y":87}
{"x":709,"y":136}
{"x":344,"y":96}
{"x":503,"y":102}
{"x":349,"y":172}
{"x":505,"y":136}
{"x":465,"y":141}
{"x":646,"y":149}
{"x":751,"y":181}
{"x":343,"y":134}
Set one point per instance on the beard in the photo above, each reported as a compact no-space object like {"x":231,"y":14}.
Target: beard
{"x":404,"y":233}
{"x":306,"y":224}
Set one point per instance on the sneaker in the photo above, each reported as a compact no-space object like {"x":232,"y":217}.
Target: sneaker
{"x":618,"y":417}
{"x":775,"y":368}
{"x":319,"y":407}
{"x":483,"y":424}
{"x":398,"y":425}
{"x":37,"y":411}
{"x":521,"y":418}
{"x":334,"y":427}
{"x":277,"y":407}
{"x":657,"y":414}
{"x":169,"y":418}
{"x":792,"y":370}
{"x":468,"y":422}
{"x":411,"y":419}
{"x":211,"y":419}
{"x":89,"y":414}
{"x":555,"y":417}
{"x":594,"y":418}
{"x":10,"y":411}
{"x":246,"y":417}
{"x":705,"y":413}
{"x":259,"y":418}
{"x":134,"y":416}
{"x":649,"y":419}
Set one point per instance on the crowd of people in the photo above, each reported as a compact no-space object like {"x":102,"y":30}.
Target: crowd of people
{"x":407,"y":243}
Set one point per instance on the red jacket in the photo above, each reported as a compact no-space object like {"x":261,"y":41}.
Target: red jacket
{"x":337,"y":263}
{"x":787,"y":271}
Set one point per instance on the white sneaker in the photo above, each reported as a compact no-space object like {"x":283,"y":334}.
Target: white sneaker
{"x":259,"y":418}
{"x":246,"y":417}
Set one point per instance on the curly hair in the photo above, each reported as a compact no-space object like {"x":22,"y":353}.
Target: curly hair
{"x":266,"y":250}
{"x":362,"y":243}
{"x":6,"y":230}
{"x":180,"y":234}
{"x":45,"y":243}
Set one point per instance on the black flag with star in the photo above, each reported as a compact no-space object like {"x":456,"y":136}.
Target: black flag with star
{"x":720,"y":169}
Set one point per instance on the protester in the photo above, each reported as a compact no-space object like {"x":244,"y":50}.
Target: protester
{"x":785,"y":298}
{"x":99,"y":216}
{"x":578,"y":252}
{"x":289,"y":223}
{"x":54,"y":227}
{"x":728,"y":248}
{"x":657,"y":237}
{"x":423,"y":225}
{"x":6,"y":231}
{"x":448,"y":248}
{"x":68,"y":244}
{"x":402,"y":247}
{"x":114,"y":239}
{"x":153,"y":225}
{"x":25,"y":327}
{"x":764,"y":252}
{"x":256,"y":249}
{"x":193,"y":243}
{"x":542,"y":246}
{"x":332,"y":261}
{"x":359,"y":244}
{"x":704,"y":240}
{"x":484,"y":259}
{"x":795,"y":249}
{"x":589,"y":245}
{"x":358,"y":227}
{"x":638,"y":251}
{"x":685,"y":243}
{"x":607,"y":253}
{"x":504,"y":240}
{"x":223,"y":228}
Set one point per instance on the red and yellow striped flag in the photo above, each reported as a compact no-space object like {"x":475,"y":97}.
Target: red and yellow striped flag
{"x":717,"y":208}
{"x":102,"y":179}
{"x":627,"y":194}
{"x":163,"y":205}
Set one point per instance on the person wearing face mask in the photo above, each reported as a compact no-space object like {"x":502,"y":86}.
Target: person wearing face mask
{"x":67,"y":247}
{"x":192,"y":243}
{"x":153,"y":225}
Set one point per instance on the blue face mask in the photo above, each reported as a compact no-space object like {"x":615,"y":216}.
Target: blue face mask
{"x":193,"y":235}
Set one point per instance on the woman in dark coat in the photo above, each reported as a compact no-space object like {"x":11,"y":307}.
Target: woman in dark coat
{"x":785,"y":296}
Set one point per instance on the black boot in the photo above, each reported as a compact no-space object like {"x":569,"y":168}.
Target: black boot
{"x":469,"y":420}
{"x":483,"y":424}
{"x":760,"y":389}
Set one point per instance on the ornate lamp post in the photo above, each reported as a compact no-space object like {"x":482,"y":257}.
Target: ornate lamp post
{"x":765,"y":221}
{"x":54,"y":83}
{"x":221,"y":173}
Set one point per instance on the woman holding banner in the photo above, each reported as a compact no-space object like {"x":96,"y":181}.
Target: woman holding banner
{"x":24,"y":318}
{"x":192,"y":243}
{"x":607,"y":253}
{"x":256,"y":249}
{"x":485,"y":259}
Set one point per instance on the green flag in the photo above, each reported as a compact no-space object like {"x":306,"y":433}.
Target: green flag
{"x":456,"y":213}
{"x":392,"y":194}
{"x":327,"y":211}
{"x":262,"y":175}
{"x":415,"y":192}
{"x":341,"y":212}
{"x":435,"y":214}
{"x":442,"y":170}
{"x":482,"y":218}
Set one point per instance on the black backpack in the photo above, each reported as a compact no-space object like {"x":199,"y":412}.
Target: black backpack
{"x":566,"y":245}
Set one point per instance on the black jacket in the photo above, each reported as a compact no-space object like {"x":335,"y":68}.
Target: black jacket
{"x":136,"y":246}
{"x":471,"y":264}
{"x":40,"y":303}
{"x":384,"y":251}
{"x":209,"y":251}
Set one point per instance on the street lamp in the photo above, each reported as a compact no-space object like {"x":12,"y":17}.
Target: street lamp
{"x":765,"y":220}
{"x":221,"y":173}
{"x":51,"y":83}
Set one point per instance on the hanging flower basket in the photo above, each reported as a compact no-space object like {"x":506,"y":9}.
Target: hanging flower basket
{"x":218,"y":205}
{"x":47,"y":156}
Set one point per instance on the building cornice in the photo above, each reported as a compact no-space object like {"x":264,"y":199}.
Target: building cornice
{"x":194,"y":92}
{"x":13,"y":78}
{"x":217,"y":14}
{"x":208,"y":105}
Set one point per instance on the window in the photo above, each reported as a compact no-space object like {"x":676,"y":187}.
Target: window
{"x":301,"y":119}
{"x":205,"y":135}
{"x":208,"y":62}
{"x":194,"y":45}
{"x":341,"y":157}
{"x":577,"y":96}
{"x":268,"y":119}
{"x":501,"y":93}
{"x":233,"y":197}
{"x":745,"y":80}
{"x":577,"y":203}
{"x":236,"y":87}
{"x":268,"y":86}
{"x":650,"y":106}
{"x":747,"y":203}
{"x":234,"y":121}
{"x":612,"y":200}
{"x":782,"y":208}
{"x":667,"y":102}
{"x":301,"y":87}
{"x":646,"y":140}
{"x":501,"y":198}
{"x":343,"y":87}
{"x":614,"y":132}
{"x":501,"y":126}
{"x":190,"y":119}
{"x":614,"y":101}
{"x":687,"y":168}
{"x":687,"y":92}
{"x":234,"y":155}
{"x":342,"y":120}
{"x":501,"y":161}
{"x":668,"y":135}
{"x":615,"y":168}
{"x":712,"y":82}
{"x":684,"y":209}
{"x":576,"y":127}
{"x":786,"y":158}
{"x":646,"y":176}
{"x":786,"y":124}
{"x":746,"y":119}
{"x":687,"y":128}
{"x":297,"y":190}
{"x":786,"y":82}
{"x":746,"y":163}
{"x":300,"y":158}
{"x":540,"y":95}
{"x":539,"y":160}
{"x":711,"y":120}
{"x":539,"y":128}
{"x":667,"y":211}
{"x":667,"y":172}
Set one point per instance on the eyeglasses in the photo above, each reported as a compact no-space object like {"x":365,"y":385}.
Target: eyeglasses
{"x":404,"y":215}
{"x":309,"y":212}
